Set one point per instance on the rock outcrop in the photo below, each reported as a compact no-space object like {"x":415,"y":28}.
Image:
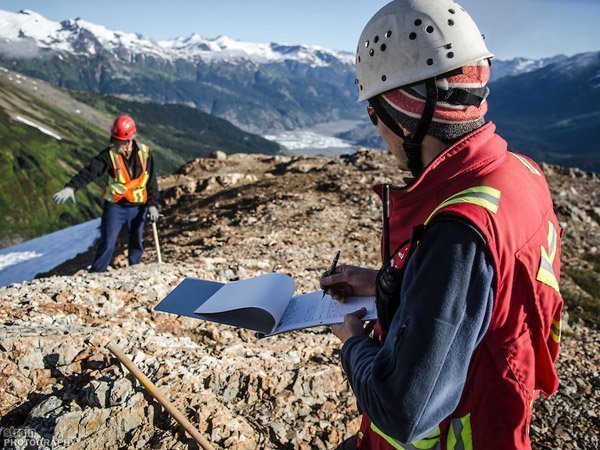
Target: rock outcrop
{"x":233,"y":218}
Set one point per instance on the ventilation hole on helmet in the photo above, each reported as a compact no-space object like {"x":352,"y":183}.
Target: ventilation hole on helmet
{"x":361,"y":87}
{"x":371,"y":52}
{"x":376,"y":39}
{"x":430,"y":62}
{"x":383,"y":47}
{"x":418,"y":22}
{"x":429,"y":29}
{"x":383,"y":78}
{"x":450,"y":22}
{"x":366,"y":43}
{"x":388,"y":34}
{"x":412,"y":36}
{"x":451,"y":11}
{"x":450,"y":54}
{"x":359,"y":59}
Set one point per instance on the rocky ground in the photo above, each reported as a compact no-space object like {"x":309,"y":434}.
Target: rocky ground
{"x":231,"y":219}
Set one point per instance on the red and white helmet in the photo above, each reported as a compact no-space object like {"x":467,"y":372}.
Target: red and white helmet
{"x":123,"y":128}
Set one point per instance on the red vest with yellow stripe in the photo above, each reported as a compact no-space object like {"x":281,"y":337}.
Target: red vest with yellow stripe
{"x":121,"y":185}
{"x":505,"y":196}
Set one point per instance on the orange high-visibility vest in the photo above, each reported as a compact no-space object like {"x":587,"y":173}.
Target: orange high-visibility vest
{"x":120,"y":185}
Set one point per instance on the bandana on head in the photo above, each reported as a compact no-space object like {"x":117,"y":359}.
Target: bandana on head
{"x":450,"y":121}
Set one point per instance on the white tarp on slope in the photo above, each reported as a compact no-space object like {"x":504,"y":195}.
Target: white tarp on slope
{"x":23,"y":261}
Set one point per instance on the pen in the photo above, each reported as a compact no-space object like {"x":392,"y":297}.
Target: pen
{"x":332,"y":268}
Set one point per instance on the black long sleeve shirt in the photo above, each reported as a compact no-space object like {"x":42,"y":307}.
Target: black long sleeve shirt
{"x":101,"y":163}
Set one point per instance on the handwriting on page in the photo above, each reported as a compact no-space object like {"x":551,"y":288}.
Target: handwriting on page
{"x":310,"y":309}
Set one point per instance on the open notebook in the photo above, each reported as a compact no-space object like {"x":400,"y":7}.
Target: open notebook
{"x":264,"y":304}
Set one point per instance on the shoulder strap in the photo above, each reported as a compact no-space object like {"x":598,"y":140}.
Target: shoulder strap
{"x":114,"y":159}
{"x":143,"y":155}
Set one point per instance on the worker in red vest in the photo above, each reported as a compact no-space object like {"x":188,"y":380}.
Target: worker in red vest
{"x":130,"y":196}
{"x":468,"y":299}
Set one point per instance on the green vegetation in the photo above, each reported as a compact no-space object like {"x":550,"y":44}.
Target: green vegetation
{"x":34,"y":166}
{"x":179,"y":133}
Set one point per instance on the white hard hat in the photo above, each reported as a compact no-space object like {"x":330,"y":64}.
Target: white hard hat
{"x":408,"y":41}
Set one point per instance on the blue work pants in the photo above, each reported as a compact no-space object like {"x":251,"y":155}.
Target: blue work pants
{"x":114,"y":216}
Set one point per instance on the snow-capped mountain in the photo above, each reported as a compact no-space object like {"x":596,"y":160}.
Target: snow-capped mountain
{"x":261,"y":87}
{"x":517,"y":66}
{"x":74,"y":36}
{"x":80,"y":37}
{"x":552,"y":113}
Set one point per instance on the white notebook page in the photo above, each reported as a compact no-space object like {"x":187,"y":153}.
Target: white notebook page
{"x":270,"y":292}
{"x":308,"y":310}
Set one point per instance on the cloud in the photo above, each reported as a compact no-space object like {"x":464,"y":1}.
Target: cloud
{"x":22,"y":49}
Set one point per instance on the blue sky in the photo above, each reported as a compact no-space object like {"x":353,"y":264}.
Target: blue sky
{"x":530,"y":28}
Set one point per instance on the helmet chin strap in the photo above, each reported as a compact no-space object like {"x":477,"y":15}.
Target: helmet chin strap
{"x":412,"y":144}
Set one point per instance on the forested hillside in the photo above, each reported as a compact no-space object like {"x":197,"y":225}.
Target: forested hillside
{"x":34,"y":164}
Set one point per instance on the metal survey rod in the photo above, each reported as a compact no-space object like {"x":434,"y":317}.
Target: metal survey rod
{"x":164,"y":401}
{"x":155,"y":232}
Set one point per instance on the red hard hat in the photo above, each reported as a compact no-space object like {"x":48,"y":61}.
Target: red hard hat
{"x":123,"y":128}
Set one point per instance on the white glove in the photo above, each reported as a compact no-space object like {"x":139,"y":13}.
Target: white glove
{"x":62,"y":196}
{"x":153,"y":213}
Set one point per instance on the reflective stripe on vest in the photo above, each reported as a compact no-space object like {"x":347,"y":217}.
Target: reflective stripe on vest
{"x":431,"y":442}
{"x":485,"y":196}
{"x":117,"y":172}
{"x":459,"y":434}
{"x":527,"y":164}
{"x":555,"y":330}
{"x":546,"y":272}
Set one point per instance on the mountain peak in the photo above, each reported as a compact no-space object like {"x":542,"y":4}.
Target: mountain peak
{"x":67,"y":36}
{"x":29,"y":12}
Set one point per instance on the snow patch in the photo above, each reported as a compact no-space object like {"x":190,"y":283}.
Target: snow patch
{"x":44,"y":253}
{"x":39,"y":127}
{"x":10,"y":259}
{"x":300,"y":140}
{"x":317,"y":140}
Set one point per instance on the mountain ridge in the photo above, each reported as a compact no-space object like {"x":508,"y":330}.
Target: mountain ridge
{"x":79,"y":36}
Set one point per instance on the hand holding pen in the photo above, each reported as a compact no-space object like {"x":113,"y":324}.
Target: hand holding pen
{"x":331,"y":269}
{"x":345,"y":281}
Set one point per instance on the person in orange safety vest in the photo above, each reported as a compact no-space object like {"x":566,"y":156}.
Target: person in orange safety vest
{"x":131,"y":193}
{"x":468,"y":298}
